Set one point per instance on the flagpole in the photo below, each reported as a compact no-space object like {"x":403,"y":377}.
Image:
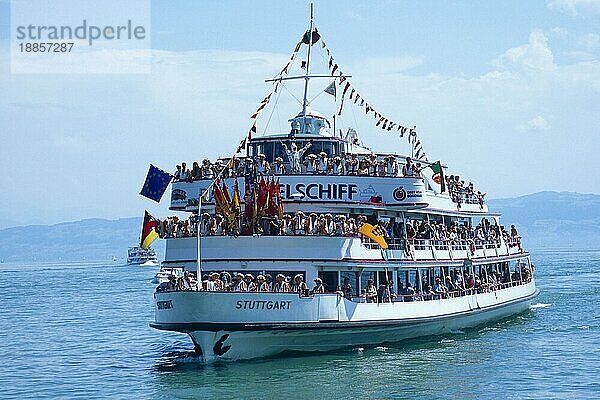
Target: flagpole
{"x":306,"y":77}
{"x":198,"y":243}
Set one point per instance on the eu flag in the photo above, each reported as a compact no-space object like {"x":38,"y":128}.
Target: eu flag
{"x":156,"y":183}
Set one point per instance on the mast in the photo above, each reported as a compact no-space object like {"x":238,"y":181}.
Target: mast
{"x":306,"y":76}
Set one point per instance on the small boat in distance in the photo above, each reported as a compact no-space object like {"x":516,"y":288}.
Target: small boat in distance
{"x":138,"y":256}
{"x":165,"y":274}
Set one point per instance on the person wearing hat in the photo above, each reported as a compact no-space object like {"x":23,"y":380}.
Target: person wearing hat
{"x":352,"y":165}
{"x":336,"y":167}
{"x":299,"y":223}
{"x":322,"y":163}
{"x":311,"y":164}
{"x":351,"y":229}
{"x":319,"y":288}
{"x":340,"y":225}
{"x":299,"y":286}
{"x":363,"y":166}
{"x":177,"y":174}
{"x":249,"y":279}
{"x":218,"y":167}
{"x":279,"y":167}
{"x":261,"y":284}
{"x":219,"y":285}
{"x":280,"y":285}
{"x":286,"y":227}
{"x":207,"y":169}
{"x":248,"y":167}
{"x":312,"y":224}
{"x":262,"y":166}
{"x":225,"y":278}
{"x":205,"y":224}
{"x":327,"y":225}
{"x":218,"y":226}
{"x":239,"y":285}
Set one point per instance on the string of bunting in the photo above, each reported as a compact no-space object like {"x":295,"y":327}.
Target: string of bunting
{"x":284,"y":71}
{"x":382,"y":121}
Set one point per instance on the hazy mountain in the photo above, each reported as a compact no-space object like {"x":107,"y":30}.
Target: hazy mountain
{"x":545,"y":219}
{"x":553,"y":219}
{"x":89,"y":239}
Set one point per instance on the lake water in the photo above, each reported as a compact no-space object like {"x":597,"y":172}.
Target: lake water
{"x":81,"y":331}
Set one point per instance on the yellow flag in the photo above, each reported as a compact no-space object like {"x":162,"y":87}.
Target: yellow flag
{"x":374,"y":232}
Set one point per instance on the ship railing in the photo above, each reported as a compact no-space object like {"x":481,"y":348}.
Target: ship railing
{"x":447,"y":249}
{"x":419,"y":296}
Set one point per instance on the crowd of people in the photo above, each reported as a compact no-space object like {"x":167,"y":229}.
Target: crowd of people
{"x":317,"y":164}
{"x":419,"y":233}
{"x":440,"y":287}
{"x":240,"y":282}
{"x":460,"y":191}
{"x":289,"y":225}
{"x":440,"y":234}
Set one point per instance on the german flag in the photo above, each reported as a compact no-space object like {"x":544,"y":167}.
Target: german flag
{"x":149,"y":233}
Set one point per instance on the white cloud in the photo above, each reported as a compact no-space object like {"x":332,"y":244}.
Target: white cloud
{"x":590,"y":40}
{"x":574,"y":7}
{"x":538,"y":123}
{"x":536,"y":54}
{"x":388,"y":65}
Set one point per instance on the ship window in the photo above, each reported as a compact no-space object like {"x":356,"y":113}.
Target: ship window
{"x":383,"y":276}
{"x":330,"y":280}
{"x":278,"y":152}
{"x":365,"y":276}
{"x":353,"y":280}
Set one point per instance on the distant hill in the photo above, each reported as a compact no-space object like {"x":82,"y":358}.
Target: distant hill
{"x":89,"y":239}
{"x":553,"y":219}
{"x":545,"y":220}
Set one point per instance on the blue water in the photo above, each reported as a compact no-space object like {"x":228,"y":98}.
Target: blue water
{"x":81,"y":331}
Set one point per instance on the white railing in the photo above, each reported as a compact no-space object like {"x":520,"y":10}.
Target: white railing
{"x":434,"y":249}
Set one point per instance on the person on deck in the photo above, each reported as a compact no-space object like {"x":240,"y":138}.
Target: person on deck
{"x":299,"y":286}
{"x":371,"y":292}
{"x":295,"y":156}
{"x":319,"y":288}
{"x":280,"y":285}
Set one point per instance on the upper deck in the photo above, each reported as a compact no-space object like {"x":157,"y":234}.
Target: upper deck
{"x":339,"y":193}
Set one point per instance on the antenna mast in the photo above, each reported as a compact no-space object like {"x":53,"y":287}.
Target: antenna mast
{"x":306,"y":76}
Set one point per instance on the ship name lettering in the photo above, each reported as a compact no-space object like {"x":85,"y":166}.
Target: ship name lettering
{"x":263,"y":305}
{"x":164,"y":305}
{"x":319,"y":191}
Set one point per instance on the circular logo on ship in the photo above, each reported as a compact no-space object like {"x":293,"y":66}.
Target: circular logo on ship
{"x":399,"y":194}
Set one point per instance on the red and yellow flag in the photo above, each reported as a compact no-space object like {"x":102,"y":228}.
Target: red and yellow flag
{"x":149,"y":233}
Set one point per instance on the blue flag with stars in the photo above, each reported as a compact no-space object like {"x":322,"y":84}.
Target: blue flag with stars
{"x":156,"y":183}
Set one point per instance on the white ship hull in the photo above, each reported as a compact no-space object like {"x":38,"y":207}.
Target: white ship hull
{"x":277,"y":323}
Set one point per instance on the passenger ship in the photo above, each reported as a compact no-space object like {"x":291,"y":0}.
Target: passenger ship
{"x":138,"y":256}
{"x":489,"y":278}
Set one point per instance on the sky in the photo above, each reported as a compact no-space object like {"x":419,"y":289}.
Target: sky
{"x":505,"y":93}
